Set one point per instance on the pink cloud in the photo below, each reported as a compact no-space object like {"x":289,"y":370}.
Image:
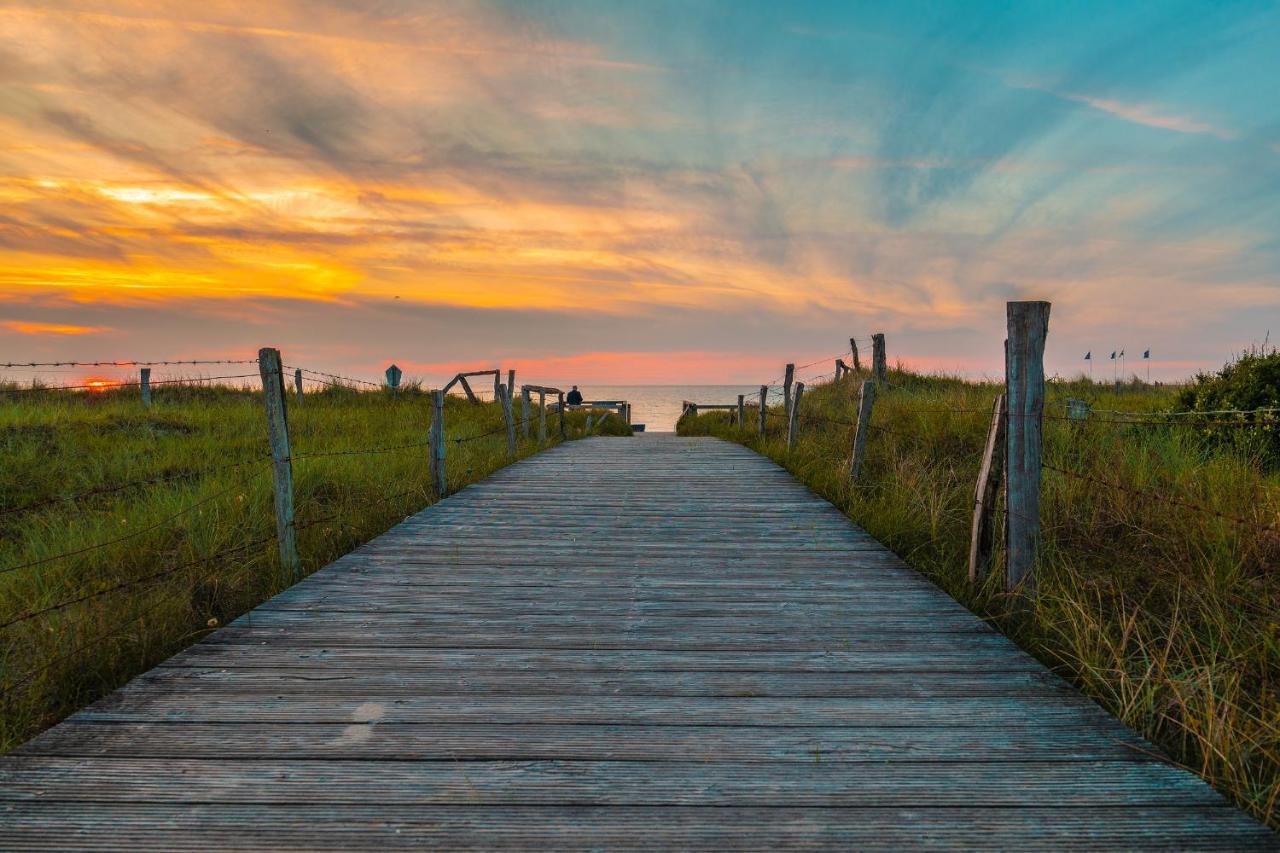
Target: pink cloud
{"x":1151,"y":116}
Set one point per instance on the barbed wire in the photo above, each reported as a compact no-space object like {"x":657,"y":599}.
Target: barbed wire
{"x":11,"y":364}
{"x":104,"y":386}
{"x":296,"y":457}
{"x":1188,"y":414}
{"x":1188,"y":424}
{"x":1244,"y":522}
{"x":97,"y":641}
{"x":338,"y":377}
{"x":119,"y":487}
{"x":131,"y":535}
{"x":62,"y":605}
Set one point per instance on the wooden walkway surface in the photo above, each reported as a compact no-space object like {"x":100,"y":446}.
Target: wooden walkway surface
{"x":655,"y":641}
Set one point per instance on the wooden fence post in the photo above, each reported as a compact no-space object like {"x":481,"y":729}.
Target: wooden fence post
{"x":438,"y":472}
{"x":982,"y":536}
{"x":789,"y":374}
{"x":144,"y":381}
{"x":764,"y":403}
{"x":560,"y":412}
{"x":853,"y":348}
{"x":511,"y":383}
{"x":866,"y":399}
{"x":879,"y":363}
{"x":587,"y":429}
{"x":393,"y":379}
{"x":542,"y":416}
{"x":269,"y":368}
{"x":742,"y":410}
{"x":1024,"y":385}
{"x":524,"y":410}
{"x":297,"y":383}
{"x":793,"y":422}
{"x":504,"y":398}
{"x":497,"y":384}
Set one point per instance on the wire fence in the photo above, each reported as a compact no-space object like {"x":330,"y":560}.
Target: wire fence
{"x":94,"y":588}
{"x":903,"y":413}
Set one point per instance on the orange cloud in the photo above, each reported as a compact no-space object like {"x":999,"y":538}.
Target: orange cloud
{"x":23,"y":327}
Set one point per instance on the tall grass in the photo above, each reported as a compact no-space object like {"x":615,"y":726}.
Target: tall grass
{"x":1167,"y":616}
{"x":168,"y":579}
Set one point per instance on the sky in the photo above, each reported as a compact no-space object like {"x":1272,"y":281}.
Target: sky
{"x":637,"y":192}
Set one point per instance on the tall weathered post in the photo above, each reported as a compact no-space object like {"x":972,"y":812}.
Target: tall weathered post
{"x":879,"y":363}
{"x":560,"y":411}
{"x":524,"y":410}
{"x":542,"y":416}
{"x":1024,"y":389}
{"x":144,"y":381}
{"x":297,"y":383}
{"x":764,"y":409}
{"x":511,"y":384}
{"x":866,"y":399}
{"x":788,"y":375}
{"x":272,"y":373}
{"x":504,"y":398}
{"x":436,"y":445}
{"x":853,"y":348}
{"x":497,"y":385}
{"x":793,"y":420}
{"x":742,"y":410}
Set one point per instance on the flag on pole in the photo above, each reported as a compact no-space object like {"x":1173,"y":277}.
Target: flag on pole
{"x":1088,"y":356}
{"x":1113,"y":355}
{"x":1146,"y":353}
{"x":1122,"y":353}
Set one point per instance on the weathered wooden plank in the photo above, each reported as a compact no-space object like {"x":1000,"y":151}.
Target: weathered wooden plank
{"x":1024,"y":381}
{"x":272,"y":372}
{"x":608,"y":782}
{"x":372,"y":826}
{"x":584,"y":742}
{"x":986,"y":491}
{"x":879,"y":360}
{"x":866,"y":402}
{"x":880,"y":658}
{"x":173,"y":705}
{"x":280,"y":681}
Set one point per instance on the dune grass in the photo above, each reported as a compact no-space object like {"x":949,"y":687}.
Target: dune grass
{"x":1167,"y":616}
{"x":196,"y":548}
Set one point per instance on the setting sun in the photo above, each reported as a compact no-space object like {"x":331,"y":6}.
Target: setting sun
{"x":98,"y":384}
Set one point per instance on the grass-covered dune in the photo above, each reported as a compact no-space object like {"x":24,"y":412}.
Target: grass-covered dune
{"x":1166,"y":614}
{"x":193,"y":545}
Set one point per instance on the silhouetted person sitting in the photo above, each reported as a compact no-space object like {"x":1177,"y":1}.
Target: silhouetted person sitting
{"x":575,"y":397}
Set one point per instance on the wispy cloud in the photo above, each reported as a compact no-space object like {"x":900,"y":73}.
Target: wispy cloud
{"x":1151,"y":115}
{"x":24,"y":327}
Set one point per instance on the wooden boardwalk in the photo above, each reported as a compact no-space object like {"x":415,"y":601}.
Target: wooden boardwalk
{"x":655,"y":641}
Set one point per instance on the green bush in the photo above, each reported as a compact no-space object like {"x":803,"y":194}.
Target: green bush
{"x":1249,"y":383}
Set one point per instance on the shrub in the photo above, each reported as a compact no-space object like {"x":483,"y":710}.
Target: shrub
{"x":1249,"y":383}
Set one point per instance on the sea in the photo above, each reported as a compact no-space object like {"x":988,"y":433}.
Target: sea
{"x":658,"y":407}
